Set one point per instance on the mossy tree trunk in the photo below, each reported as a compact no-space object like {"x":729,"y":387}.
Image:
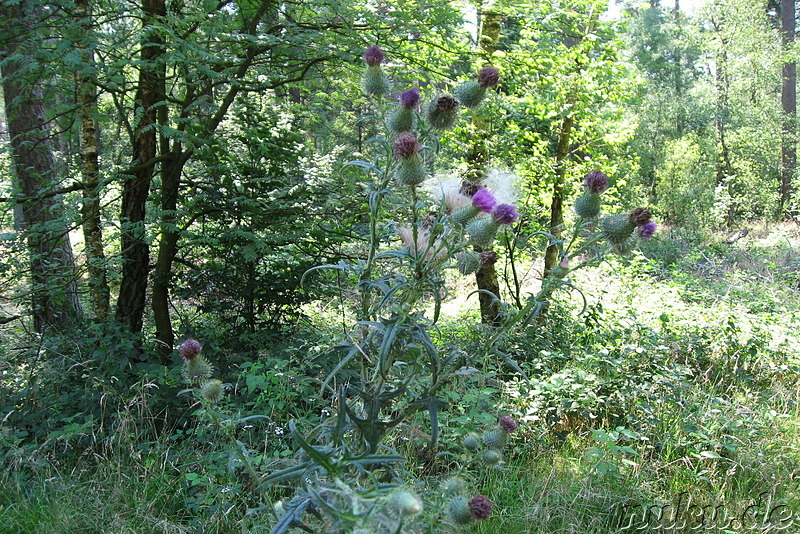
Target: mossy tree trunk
{"x":478,"y":163}
{"x":86,"y":91}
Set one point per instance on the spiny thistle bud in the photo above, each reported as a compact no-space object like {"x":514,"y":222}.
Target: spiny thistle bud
{"x":482,"y":231}
{"x":468,"y":262}
{"x":470,"y":94}
{"x":495,"y":439}
{"x":441,"y":113}
{"x":463,"y":215}
{"x":374,"y":56}
{"x":491,"y":457}
{"x":647,"y":230}
{"x":562,"y":269}
{"x":639,"y":216}
{"x":375,"y":82}
{"x":595,"y":181}
{"x":406,"y":145}
{"x":470,"y":442}
{"x":197,"y":370}
{"x":410,"y":171}
{"x":190,"y":349}
{"x":402,"y":120}
{"x":212,"y":390}
{"x":617,"y":229}
{"x":458,"y":511}
{"x":480,"y":506}
{"x":405,"y":503}
{"x":453,"y":485}
{"x":588,"y":205}
{"x":508,"y":424}
{"x":488,"y":77}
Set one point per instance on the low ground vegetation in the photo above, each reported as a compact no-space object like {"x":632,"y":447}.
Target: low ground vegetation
{"x":670,"y":402}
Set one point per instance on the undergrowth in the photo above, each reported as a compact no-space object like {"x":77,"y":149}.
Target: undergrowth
{"x":658,"y":407}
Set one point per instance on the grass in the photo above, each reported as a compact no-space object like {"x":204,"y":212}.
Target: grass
{"x":682,"y":385}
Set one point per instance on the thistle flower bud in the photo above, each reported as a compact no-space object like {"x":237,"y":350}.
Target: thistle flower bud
{"x":453,"y":486}
{"x":488,"y":77}
{"x":458,"y":511}
{"x":375,"y":82}
{"x":617,"y":229}
{"x":470,"y":442}
{"x":374,"y":56}
{"x":189,"y":349}
{"x":406,"y":145}
{"x":409,"y":99}
{"x":401,"y":120}
{"x":491,"y":457}
{"x":197,"y":370}
{"x":639,"y":217}
{"x":467,"y":263}
{"x":482,"y":231}
{"x":480,"y":506}
{"x":212,"y":390}
{"x":470,"y":94}
{"x":405,"y":503}
{"x":595,"y":181}
{"x":441,"y":112}
{"x":588,"y":205}
{"x":508,"y":424}
{"x":410,"y":171}
{"x":463,"y":215}
{"x":495,"y":439}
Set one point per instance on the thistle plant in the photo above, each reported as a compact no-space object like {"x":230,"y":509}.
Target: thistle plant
{"x":389,"y":367}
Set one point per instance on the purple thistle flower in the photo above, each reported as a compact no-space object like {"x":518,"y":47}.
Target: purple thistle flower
{"x":508,"y":424}
{"x":596,"y":181}
{"x":647,"y":230}
{"x":483,"y":200}
{"x":488,"y":77}
{"x":480,"y":506}
{"x":190,"y":349}
{"x":374,"y":56}
{"x":409,"y":99}
{"x":505,"y":214}
{"x":406,"y":145}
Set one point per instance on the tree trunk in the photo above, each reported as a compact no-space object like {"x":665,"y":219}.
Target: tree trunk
{"x":478,"y":162}
{"x":789,"y":104}
{"x":99,"y":294}
{"x":174,"y":160}
{"x":557,"y":204}
{"x":54,"y":290}
{"x":136,"y":187}
{"x":167,"y":250}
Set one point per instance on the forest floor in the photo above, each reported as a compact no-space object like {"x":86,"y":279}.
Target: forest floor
{"x":671,"y":404}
